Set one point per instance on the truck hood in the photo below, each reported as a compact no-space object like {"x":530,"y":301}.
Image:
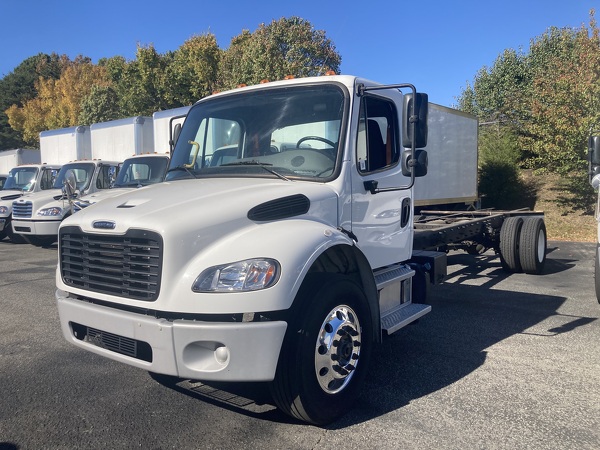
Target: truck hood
{"x":41,"y":198}
{"x":10,"y":194}
{"x":104,"y":194}
{"x":207,"y":209}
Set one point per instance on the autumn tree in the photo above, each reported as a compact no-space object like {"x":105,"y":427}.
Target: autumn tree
{"x":288,"y":46}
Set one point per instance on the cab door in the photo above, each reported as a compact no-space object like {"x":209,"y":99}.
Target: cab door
{"x":382,"y":221}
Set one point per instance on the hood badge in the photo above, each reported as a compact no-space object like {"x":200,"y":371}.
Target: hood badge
{"x":104,"y":224}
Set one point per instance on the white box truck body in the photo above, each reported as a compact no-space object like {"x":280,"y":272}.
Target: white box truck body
{"x":253,"y":262}
{"x":120,"y":139}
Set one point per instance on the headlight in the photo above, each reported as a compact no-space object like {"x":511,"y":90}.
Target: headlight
{"x":249,"y":275}
{"x":54,"y":211}
{"x":3,"y":209}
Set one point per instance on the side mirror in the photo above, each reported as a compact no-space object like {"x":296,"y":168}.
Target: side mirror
{"x":419,"y":119}
{"x":596,"y":182}
{"x":419,"y":164}
{"x":176,"y":133}
{"x":70,"y":185}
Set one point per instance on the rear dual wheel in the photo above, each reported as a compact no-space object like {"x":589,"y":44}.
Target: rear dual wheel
{"x":523,"y":244}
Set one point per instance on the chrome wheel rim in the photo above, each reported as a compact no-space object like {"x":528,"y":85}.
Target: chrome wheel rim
{"x":337,"y":349}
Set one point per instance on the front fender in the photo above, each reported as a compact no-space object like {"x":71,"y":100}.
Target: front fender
{"x":294,"y":243}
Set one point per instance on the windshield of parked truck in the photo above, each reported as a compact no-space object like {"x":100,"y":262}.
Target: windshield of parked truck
{"x":142,"y":171}
{"x":285,"y":132}
{"x":21,"y":179}
{"x":83,"y":174}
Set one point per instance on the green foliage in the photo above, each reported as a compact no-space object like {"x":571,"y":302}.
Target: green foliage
{"x":194,"y":70}
{"x":549,"y":98}
{"x":288,"y":46}
{"x":500,"y":184}
{"x":100,"y":105}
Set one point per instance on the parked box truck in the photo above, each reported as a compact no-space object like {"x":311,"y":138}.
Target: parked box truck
{"x":282,"y":264}
{"x":94,"y":157}
{"x":36,"y":170}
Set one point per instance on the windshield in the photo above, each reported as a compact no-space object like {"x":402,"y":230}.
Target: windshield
{"x":142,"y":171}
{"x":83,"y":174}
{"x":291,"y":132}
{"x":21,"y":179}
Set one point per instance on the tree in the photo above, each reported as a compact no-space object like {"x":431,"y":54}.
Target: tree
{"x":289,"y":46}
{"x":193,"y":72}
{"x":18,"y":87}
{"x":57,"y":104}
{"x":100,"y":105}
{"x":549,"y":98}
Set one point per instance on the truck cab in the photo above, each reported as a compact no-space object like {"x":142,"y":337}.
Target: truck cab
{"x":21,"y":180}
{"x":136,"y":172}
{"x":278,"y":249}
{"x":36,"y":216}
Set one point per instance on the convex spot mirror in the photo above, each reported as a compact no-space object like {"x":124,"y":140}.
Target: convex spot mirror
{"x":419,"y":165}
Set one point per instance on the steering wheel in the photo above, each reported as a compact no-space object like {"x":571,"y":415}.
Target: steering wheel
{"x":315,"y":138}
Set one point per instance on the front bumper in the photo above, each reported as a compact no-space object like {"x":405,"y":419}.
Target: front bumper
{"x":210,"y":351}
{"x":36,"y":227}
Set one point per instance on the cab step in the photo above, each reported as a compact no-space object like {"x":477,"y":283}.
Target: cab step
{"x":398,"y":318}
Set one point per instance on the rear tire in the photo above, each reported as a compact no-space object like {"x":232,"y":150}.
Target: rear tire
{"x":510,"y":234}
{"x":325,"y":353}
{"x":532,"y":245}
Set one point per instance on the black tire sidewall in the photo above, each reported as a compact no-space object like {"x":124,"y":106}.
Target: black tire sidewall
{"x":311,"y":403}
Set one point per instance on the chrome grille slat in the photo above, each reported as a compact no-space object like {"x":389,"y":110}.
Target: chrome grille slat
{"x":22,"y":210}
{"x":127,"y":265}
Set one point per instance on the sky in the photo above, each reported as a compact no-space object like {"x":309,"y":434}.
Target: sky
{"x":437,"y":45}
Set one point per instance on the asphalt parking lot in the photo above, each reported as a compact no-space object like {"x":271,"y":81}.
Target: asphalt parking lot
{"x":502,"y":361}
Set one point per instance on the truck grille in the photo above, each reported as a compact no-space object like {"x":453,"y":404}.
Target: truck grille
{"x":123,"y":265}
{"x":22,"y":209}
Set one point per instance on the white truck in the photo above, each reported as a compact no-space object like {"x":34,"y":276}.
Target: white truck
{"x":33,"y":170}
{"x":271,"y":255}
{"x":36,"y":217}
{"x":136,"y":172}
{"x":594,"y":177}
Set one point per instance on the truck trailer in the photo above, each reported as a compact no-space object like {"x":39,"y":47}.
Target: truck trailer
{"x":282,"y":245}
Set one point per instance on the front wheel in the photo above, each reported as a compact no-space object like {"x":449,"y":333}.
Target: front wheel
{"x":325,"y":353}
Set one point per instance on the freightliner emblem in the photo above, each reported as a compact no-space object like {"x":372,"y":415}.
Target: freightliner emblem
{"x":104,"y":224}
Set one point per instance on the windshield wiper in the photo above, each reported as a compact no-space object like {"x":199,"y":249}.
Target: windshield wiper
{"x":182,"y":167}
{"x":257,"y":163}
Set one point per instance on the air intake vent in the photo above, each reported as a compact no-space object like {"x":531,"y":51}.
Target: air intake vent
{"x":282,"y":208}
{"x":126,"y":265}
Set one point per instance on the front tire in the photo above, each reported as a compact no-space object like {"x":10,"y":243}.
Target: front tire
{"x":325,"y":354}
